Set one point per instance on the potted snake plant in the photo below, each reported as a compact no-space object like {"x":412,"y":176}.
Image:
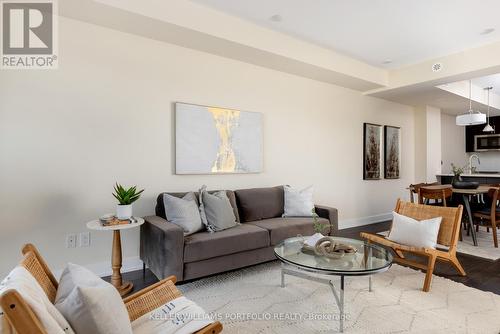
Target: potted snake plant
{"x":125,"y":199}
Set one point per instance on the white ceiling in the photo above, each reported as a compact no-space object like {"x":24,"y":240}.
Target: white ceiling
{"x":489,"y":81}
{"x":373,"y":31}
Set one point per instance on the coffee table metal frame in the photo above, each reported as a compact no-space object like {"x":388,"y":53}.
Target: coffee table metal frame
{"x":293,"y":269}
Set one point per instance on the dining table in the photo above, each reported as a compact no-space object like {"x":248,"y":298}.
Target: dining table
{"x":466,"y":195}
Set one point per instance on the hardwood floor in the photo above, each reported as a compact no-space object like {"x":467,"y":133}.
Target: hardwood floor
{"x":482,"y":273}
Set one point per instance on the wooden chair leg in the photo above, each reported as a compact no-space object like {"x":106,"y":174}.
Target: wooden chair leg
{"x":430,"y":270}
{"x":399,"y":253}
{"x":494,"y":232}
{"x":456,"y":264}
{"x":477,"y":228}
{"x":460,"y":234}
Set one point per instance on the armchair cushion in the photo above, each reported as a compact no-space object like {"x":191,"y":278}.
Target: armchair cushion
{"x":179,"y":316}
{"x":90,"y":304}
{"x":25,"y":284}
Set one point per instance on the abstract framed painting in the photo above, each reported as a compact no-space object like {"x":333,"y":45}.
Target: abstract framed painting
{"x":392,"y":152}
{"x":372,"y":151}
{"x":213,"y":140}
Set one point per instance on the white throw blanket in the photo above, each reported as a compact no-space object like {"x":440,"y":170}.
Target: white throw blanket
{"x":179,"y":316}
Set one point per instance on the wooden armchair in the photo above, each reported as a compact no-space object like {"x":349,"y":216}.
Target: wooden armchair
{"x":23,"y":320}
{"x":448,"y":236}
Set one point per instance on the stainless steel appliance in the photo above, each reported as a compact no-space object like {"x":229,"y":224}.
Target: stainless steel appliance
{"x":483,"y":143}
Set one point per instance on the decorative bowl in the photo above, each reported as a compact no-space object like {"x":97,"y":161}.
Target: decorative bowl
{"x":465,"y":184}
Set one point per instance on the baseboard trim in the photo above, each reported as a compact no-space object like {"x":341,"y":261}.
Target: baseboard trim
{"x":102,"y":269}
{"x":356,"y":222}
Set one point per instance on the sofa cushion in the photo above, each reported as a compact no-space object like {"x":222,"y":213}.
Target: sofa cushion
{"x":260,"y":203}
{"x":160,"y":207}
{"x":283,"y":228}
{"x":206,"y":245}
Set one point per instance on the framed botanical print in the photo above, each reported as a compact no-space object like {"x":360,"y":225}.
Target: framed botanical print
{"x":372,"y":151}
{"x":392,"y":152}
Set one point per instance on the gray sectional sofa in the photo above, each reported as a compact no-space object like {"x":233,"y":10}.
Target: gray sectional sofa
{"x":166,"y":251}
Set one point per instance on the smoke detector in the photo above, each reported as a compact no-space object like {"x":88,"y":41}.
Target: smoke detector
{"x":437,"y":67}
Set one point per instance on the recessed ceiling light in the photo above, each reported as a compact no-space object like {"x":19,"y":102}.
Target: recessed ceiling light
{"x":387,"y":61}
{"x":276,"y":18}
{"x":487,"y":31}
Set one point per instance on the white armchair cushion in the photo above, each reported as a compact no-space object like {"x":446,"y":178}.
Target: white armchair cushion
{"x":21,"y":280}
{"x":179,"y":316}
{"x":410,"y":232}
{"x":90,"y":304}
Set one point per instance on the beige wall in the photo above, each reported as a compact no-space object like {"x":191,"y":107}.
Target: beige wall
{"x":427,"y":143}
{"x":452,"y":143}
{"x":106,"y":115}
{"x":433,"y":143}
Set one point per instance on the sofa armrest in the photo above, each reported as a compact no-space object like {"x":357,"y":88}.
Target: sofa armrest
{"x":331,"y":214}
{"x":162,"y":247}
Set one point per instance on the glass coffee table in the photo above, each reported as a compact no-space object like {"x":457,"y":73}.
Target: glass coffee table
{"x":368,"y":260}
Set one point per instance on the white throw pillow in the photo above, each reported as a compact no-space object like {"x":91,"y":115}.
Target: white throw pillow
{"x":411,"y":232}
{"x":90,"y":304}
{"x":298,"y":203}
{"x":21,"y":280}
{"x":183,"y":212}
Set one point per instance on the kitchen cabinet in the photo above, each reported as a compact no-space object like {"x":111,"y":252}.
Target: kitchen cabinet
{"x":447,"y":179}
{"x":472,"y":130}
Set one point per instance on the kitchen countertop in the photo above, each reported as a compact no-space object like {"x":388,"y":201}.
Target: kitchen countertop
{"x":473,"y":175}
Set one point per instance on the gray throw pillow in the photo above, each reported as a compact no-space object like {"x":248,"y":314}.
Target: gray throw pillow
{"x":183,"y":212}
{"x":216,"y":211}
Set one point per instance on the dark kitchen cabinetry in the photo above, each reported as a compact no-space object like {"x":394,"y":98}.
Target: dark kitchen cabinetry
{"x":472,"y":130}
{"x":447,"y":179}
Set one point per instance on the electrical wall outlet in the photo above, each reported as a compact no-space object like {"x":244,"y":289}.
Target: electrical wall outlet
{"x":85,"y":239}
{"x":71,"y":241}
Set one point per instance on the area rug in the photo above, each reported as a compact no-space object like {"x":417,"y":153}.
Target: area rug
{"x":251,"y":300}
{"x":485,"y":247}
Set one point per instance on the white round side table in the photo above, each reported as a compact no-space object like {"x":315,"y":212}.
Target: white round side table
{"x":116,"y":253}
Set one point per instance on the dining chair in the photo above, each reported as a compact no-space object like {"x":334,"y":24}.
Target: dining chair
{"x":415,"y":187}
{"x":489,"y":216}
{"x":440,"y":196}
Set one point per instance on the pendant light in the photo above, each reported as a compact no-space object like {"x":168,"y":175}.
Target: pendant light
{"x":488,"y":127}
{"x":472,"y":117}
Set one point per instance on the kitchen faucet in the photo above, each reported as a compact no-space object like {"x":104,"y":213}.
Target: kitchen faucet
{"x":472,"y":169}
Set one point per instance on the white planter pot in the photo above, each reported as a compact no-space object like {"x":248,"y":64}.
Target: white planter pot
{"x":124,"y":211}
